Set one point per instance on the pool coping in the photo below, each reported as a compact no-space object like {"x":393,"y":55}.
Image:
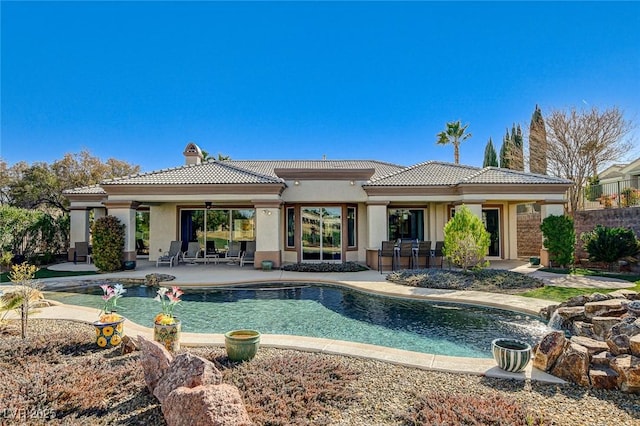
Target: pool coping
{"x":476,"y":366}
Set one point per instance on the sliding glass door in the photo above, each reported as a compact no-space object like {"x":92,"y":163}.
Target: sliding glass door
{"x":321,"y":234}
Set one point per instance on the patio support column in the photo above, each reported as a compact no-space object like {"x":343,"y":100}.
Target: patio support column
{"x":269,"y":231}
{"x":511,"y":232}
{"x":376,"y":230}
{"x":99,"y":212}
{"x":547,"y":210}
{"x":125,"y":211}
{"x":79,"y":223}
{"x":476,"y":209}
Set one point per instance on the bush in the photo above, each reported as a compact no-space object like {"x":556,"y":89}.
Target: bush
{"x":447,"y":409}
{"x":559,"y":239}
{"x":482,"y":280}
{"x":609,"y":244}
{"x":325,"y":267}
{"x":466,"y":241}
{"x":108,"y":243}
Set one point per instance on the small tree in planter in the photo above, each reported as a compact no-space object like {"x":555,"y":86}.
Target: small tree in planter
{"x":466,"y":241}
{"x":108,"y":243}
{"x":559,"y":239}
{"x":609,"y":244}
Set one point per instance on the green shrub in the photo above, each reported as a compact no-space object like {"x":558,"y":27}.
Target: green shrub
{"x":559,"y":239}
{"x":466,"y":241}
{"x":593,"y":190}
{"x":439,"y":408}
{"x":484,"y":280}
{"x":108,"y":243}
{"x":325,"y":267}
{"x":609,"y":244}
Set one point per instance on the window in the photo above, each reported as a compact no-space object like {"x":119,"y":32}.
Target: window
{"x":215,"y":228}
{"x":351,"y":227}
{"x":291,"y":227}
{"x":406,"y":224}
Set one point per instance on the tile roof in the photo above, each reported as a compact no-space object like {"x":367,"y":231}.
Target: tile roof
{"x":436,"y":173}
{"x":267,"y":167}
{"x":91,"y":189}
{"x":210,"y":172}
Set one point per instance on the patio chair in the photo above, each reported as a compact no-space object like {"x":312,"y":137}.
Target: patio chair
{"x":387,"y":250}
{"x":406,"y":250}
{"x":235,"y":252}
{"x":81,"y":250}
{"x":193,"y":252}
{"x":248,"y":254}
{"x":171,"y":257}
{"x":423,"y":250}
{"x":437,"y":252}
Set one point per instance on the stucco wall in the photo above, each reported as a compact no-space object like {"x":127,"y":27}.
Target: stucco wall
{"x":162,"y":229}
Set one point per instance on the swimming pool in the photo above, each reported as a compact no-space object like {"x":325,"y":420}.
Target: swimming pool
{"x":329,"y":312}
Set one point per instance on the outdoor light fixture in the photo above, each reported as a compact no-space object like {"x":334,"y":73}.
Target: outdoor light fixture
{"x":267,"y":212}
{"x":352,"y":182}
{"x":207,"y":204}
{"x":296,"y":182}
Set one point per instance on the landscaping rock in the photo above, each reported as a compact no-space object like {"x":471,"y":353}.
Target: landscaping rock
{"x":215,"y":405}
{"x":603,"y":378}
{"x":604,"y":308}
{"x":128,"y":345}
{"x":155,"y":361}
{"x":599,"y":297}
{"x":602,"y":359}
{"x":188,"y":371}
{"x":629,"y":326}
{"x":634,"y":345}
{"x":602,"y":326}
{"x":619,"y":344}
{"x":625,"y":294}
{"x":628,"y":369}
{"x":548,"y":350}
{"x":573,"y":364}
{"x":577,"y":301}
{"x":593,"y":346}
{"x":581,"y":328}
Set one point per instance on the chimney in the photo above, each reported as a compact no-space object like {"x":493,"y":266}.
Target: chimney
{"x":192,"y":154}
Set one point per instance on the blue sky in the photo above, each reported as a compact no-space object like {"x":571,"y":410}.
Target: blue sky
{"x":368,"y":80}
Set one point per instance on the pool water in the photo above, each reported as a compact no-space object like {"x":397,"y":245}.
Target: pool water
{"x":330,"y":312}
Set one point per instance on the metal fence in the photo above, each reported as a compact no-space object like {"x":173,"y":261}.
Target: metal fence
{"x":623,"y":193}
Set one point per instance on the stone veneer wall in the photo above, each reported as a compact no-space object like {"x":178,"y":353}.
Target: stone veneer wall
{"x":585,"y":221}
{"x":529,"y":234}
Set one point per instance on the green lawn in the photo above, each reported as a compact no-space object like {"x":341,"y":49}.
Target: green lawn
{"x":47,"y":273}
{"x":560,"y":294}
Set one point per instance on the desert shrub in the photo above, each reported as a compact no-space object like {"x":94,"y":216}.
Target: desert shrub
{"x":482,"y":279}
{"x":324,"y":267}
{"x":466,"y":240}
{"x":450,"y":409}
{"x":559,"y":239}
{"x":108,"y":243}
{"x":609,"y":244}
{"x":296,"y":389}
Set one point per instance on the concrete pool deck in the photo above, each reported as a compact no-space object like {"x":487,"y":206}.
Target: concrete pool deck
{"x":199,"y":275}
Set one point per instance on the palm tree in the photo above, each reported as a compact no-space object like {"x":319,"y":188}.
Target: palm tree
{"x":454,"y":134}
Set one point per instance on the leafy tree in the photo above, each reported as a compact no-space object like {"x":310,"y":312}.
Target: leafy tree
{"x":454,"y":134}
{"x":579,"y":142}
{"x":40,"y":185}
{"x":593,"y":191}
{"x":559,"y":238}
{"x":537,"y":144}
{"x":108,"y":243}
{"x":609,"y":244}
{"x":466,"y":241}
{"x":490,"y":156}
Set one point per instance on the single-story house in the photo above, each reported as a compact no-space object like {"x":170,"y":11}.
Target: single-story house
{"x":312,"y":210}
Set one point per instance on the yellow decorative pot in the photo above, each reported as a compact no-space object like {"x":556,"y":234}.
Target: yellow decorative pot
{"x":168,"y":335}
{"x":109,"y":334}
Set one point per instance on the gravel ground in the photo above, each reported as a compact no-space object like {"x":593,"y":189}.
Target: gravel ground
{"x":384,"y":390}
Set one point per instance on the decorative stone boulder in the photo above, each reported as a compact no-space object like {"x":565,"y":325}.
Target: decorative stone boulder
{"x":155,"y":361}
{"x":619,"y":344}
{"x":602,"y":326}
{"x":604,"y":308}
{"x":624,"y":293}
{"x":593,"y":346}
{"x":188,"y":371}
{"x":548,"y":350}
{"x":219,"y":405}
{"x":603,"y":378}
{"x":634,"y":345}
{"x":128,"y":345}
{"x":573,"y":364}
{"x":628,"y":369}
{"x":581,"y":328}
{"x":602,"y":359}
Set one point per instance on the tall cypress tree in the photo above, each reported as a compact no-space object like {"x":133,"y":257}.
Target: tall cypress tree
{"x":505,"y":151}
{"x":517,"y":151}
{"x":490,"y":156}
{"x":537,"y":144}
